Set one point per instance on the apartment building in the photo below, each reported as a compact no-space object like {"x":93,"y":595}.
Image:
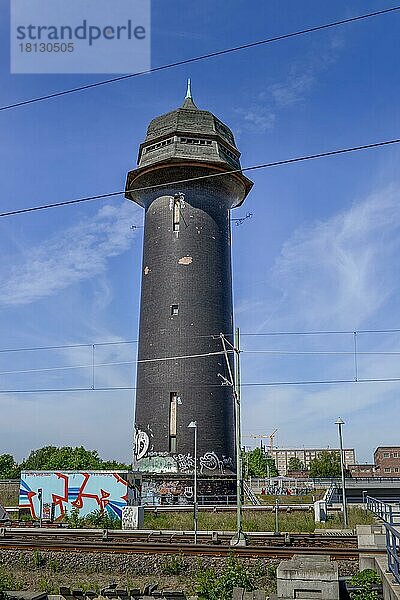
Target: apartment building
{"x":387,"y":461}
{"x":282,"y":456}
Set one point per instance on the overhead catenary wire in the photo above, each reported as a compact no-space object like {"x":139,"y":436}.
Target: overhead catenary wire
{"x":210,"y":385}
{"x":202,"y":57}
{"x":115,"y":363}
{"x":211,"y":335}
{"x":270,"y":352}
{"x":202,"y":177}
{"x":66,"y":346}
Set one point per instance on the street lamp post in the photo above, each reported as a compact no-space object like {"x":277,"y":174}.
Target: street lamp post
{"x":340,"y":423}
{"x":193,"y":425}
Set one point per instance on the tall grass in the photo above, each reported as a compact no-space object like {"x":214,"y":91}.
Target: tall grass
{"x":301,"y":522}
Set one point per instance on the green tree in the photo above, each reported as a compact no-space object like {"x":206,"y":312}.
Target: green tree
{"x":8,"y":467}
{"x":295,"y":464}
{"x":258,"y":464}
{"x":52,"y":458}
{"x":326,"y":464}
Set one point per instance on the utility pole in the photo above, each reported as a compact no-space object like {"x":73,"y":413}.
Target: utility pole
{"x":340,"y":423}
{"x":193,"y":425}
{"x":239,"y":474}
{"x":239,"y":539}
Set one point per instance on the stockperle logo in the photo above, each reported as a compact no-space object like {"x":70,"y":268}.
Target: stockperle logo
{"x":80,"y":36}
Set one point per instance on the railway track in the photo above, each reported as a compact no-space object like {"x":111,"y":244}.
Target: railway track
{"x":261,"y":544}
{"x":184,"y":549}
{"x":220,"y":538}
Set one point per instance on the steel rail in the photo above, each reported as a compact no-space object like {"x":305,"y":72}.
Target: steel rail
{"x":216,"y":537}
{"x":187,"y":549}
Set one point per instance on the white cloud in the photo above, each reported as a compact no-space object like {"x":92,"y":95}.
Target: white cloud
{"x":290,"y":89}
{"x":77,"y":253}
{"x":341,"y":271}
{"x":257,"y":118}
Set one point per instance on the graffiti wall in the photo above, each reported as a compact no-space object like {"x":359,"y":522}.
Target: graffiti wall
{"x":55,"y":493}
{"x":179,"y":490}
{"x":147,"y":461}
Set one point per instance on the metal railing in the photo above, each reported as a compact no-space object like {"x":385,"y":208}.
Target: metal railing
{"x":250,"y":494}
{"x":330,"y":493}
{"x":384,"y":510}
{"x":391,"y":520}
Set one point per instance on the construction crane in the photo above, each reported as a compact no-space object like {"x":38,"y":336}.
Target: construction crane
{"x":261,"y":436}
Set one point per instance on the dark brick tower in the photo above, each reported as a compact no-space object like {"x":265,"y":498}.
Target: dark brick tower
{"x":186,"y":296}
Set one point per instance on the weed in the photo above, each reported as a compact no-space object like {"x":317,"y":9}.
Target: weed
{"x":46,"y":585}
{"x":172,"y":565}
{"x":38,"y":559}
{"x":54,"y":566}
{"x":211,"y":586}
{"x":7,"y":582}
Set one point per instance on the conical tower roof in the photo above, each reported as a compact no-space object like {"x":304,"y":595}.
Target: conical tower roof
{"x":191,"y":133}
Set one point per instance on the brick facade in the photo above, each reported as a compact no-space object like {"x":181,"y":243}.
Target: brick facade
{"x":387,"y":461}
{"x":362,"y":471}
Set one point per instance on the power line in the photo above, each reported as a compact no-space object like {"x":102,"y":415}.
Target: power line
{"x":66,"y":346}
{"x":201,"y":57}
{"x":115,"y":363}
{"x":197,"y":386}
{"x":147,"y":360}
{"x":201,"y":177}
{"x":323,"y":352}
{"x":214,"y":336}
{"x":349,"y":332}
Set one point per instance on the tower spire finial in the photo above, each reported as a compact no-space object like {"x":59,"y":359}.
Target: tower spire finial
{"x":189,"y":89}
{"x":188,"y":101}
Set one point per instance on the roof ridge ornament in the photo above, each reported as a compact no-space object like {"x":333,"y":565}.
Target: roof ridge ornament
{"x":189,"y":89}
{"x":188,"y":101}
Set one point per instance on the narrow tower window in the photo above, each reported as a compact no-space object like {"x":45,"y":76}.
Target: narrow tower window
{"x":174,"y":310}
{"x":173,"y":400}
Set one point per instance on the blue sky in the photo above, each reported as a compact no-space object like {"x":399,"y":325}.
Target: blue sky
{"x":320,"y":253}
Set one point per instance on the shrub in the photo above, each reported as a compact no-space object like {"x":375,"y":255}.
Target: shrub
{"x":364,"y":581}
{"x":211,"y":586}
{"x":94,"y":520}
{"x":7,"y":582}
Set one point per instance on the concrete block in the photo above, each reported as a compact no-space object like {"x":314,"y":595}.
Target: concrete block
{"x":132,"y":517}
{"x":371,"y":536}
{"x":320,"y":511}
{"x":307,"y":577}
{"x":366,"y":561}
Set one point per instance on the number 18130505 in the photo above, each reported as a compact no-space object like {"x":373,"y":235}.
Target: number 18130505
{"x":46,"y":47}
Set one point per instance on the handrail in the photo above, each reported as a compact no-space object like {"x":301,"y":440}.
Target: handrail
{"x":330,"y":492}
{"x":391,"y":522}
{"x":250,"y":494}
{"x":383,"y":510}
{"x":392,"y":547}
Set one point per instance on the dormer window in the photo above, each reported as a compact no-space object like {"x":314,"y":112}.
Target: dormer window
{"x":195,"y":141}
{"x":158,"y":145}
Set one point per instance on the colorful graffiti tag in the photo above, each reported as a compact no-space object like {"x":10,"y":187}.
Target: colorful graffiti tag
{"x":63,"y":491}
